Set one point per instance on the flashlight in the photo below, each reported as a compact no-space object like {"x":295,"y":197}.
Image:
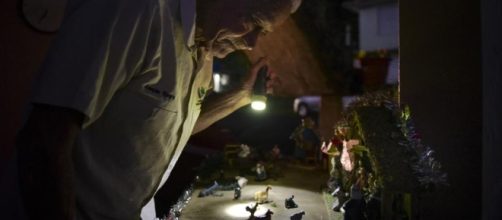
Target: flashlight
{"x":259,"y":98}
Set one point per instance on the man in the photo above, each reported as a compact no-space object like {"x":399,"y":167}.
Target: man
{"x":119,"y":94}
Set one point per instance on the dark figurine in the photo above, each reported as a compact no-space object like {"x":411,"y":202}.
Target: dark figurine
{"x":355,"y":207}
{"x":398,"y":211}
{"x":332,"y":184}
{"x":222,"y":175}
{"x":267,"y":216}
{"x":290,"y":203}
{"x":209,"y":191}
{"x":373,"y":207}
{"x":336,"y":204}
{"x":339,"y":199}
{"x":237,"y":193}
{"x":261,"y":173}
{"x":297,"y":216}
{"x":252,"y":210}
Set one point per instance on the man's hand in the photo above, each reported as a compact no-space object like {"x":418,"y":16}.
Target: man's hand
{"x":272,"y":79}
{"x":45,"y":163}
{"x":221,"y":105}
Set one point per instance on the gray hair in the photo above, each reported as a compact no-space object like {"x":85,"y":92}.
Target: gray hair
{"x":264,"y":8}
{"x":295,"y":4}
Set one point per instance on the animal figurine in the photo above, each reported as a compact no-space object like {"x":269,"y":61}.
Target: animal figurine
{"x":209,"y":191}
{"x":267,"y":216}
{"x":262,"y":196}
{"x":289,"y":203}
{"x":297,"y":216}
{"x":237,"y":193}
{"x":252,"y":210}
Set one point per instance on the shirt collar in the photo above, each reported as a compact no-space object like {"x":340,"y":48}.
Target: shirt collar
{"x":187,"y":8}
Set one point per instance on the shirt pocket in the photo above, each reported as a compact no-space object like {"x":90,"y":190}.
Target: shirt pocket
{"x":138,"y":115}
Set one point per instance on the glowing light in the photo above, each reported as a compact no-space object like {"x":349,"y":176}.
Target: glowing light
{"x":217,"y":79}
{"x":259,"y":102}
{"x":225,"y":80}
{"x":258,"y":105}
{"x":239,"y":210}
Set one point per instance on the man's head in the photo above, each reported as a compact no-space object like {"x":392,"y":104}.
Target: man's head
{"x":224,"y":26}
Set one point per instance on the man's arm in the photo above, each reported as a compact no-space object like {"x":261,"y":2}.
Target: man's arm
{"x":45,"y":162}
{"x":220,"y":107}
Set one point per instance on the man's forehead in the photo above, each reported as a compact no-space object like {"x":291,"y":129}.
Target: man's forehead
{"x":262,"y":6}
{"x":271,"y":16}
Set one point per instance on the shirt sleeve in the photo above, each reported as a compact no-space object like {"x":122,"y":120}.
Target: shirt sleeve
{"x":99,"y":48}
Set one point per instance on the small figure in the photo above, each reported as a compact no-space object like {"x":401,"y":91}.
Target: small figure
{"x":238,"y":182}
{"x":290,"y":203}
{"x":209,"y":191}
{"x":362,"y":178}
{"x":244,"y":152}
{"x":261,"y":173}
{"x":398,"y":211}
{"x":332,"y":150}
{"x":338,"y":200}
{"x":355,"y":207}
{"x":336,"y":204}
{"x":237,"y":193}
{"x":252,"y":210}
{"x":262,"y":196}
{"x":333,"y":184}
{"x":297,"y":216}
{"x":241,"y":181}
{"x":306,"y":139}
{"x":274,"y":168}
{"x":373,"y":207}
{"x":222,"y":174}
{"x":276,"y":152}
{"x":267,"y":216}
{"x":347,"y":158}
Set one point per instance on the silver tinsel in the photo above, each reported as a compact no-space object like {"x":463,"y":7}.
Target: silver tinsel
{"x":177,"y":208}
{"x":426,"y":168}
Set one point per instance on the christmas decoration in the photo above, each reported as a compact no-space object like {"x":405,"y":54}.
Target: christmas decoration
{"x":177,"y":208}
{"x":426,"y":168}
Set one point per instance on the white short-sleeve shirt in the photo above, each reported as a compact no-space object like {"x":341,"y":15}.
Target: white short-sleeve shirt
{"x":130,"y":67}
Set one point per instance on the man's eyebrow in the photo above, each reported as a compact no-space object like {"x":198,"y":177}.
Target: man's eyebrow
{"x":266,"y":26}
